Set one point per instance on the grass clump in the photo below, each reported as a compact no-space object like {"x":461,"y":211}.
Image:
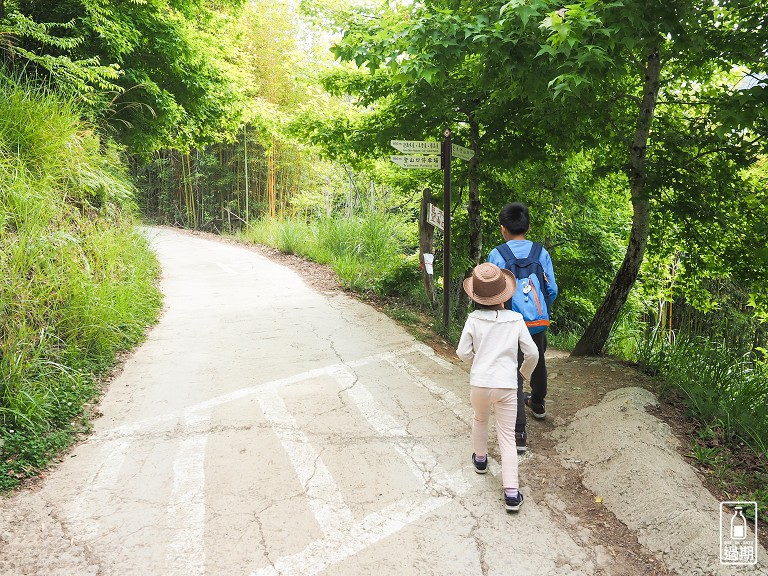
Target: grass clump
{"x":722,"y":389}
{"x":78,"y":283}
{"x":365,"y":251}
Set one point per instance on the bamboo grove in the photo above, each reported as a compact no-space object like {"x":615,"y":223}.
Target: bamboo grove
{"x":223,"y":186}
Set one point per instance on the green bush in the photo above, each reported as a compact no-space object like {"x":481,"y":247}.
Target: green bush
{"x":295,"y":238}
{"x":402,"y":277}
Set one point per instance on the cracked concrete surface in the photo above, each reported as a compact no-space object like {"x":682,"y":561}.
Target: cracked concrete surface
{"x":267,"y":428}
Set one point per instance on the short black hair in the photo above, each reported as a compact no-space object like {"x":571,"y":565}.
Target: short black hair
{"x":515,"y":218}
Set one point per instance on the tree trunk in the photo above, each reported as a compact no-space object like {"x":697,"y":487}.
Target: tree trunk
{"x":594,"y":338}
{"x":272,"y":180}
{"x":473,"y":210}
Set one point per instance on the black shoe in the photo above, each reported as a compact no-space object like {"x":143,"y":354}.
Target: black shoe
{"x":480,"y":467}
{"x":520,"y":441}
{"x":512,"y":504}
{"x":538,"y":410}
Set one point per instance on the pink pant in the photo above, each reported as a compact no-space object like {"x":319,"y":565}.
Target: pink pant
{"x":504,"y":402}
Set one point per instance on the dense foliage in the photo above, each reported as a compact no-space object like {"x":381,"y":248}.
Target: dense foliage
{"x":158,"y":73}
{"x":78,"y":282}
{"x":670,"y":98}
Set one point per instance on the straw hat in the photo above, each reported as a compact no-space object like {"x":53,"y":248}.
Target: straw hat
{"x":490,"y":285}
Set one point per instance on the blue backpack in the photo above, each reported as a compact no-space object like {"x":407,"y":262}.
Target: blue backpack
{"x":531,"y":298}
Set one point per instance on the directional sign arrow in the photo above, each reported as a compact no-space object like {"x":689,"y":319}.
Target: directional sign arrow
{"x":416,"y":146}
{"x":417,"y":161}
{"x":461,"y":152}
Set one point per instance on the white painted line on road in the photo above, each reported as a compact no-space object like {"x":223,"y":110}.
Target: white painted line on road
{"x":417,"y":457}
{"x":343,"y":536}
{"x":380,"y":420}
{"x":326,"y":552}
{"x":349,"y":538}
{"x":325,"y":499}
{"x":206,"y":406}
{"x":444,"y":396}
{"x":103,"y":481}
{"x":186,"y":508}
{"x":141,"y":427}
{"x":429,"y":353}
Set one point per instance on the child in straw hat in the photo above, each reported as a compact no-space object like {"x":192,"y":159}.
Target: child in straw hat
{"x":490,"y":340}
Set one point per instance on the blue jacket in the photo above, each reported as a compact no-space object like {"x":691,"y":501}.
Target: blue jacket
{"x":521,"y":249}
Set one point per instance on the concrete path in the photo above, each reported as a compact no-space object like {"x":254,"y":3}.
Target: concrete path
{"x":264,"y":429}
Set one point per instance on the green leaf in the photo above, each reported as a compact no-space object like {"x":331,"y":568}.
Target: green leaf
{"x":526,"y":13}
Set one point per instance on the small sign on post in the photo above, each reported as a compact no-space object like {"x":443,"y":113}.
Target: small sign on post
{"x":461,"y":152}
{"x":435,"y":216}
{"x":416,"y":146}
{"x":429,"y":162}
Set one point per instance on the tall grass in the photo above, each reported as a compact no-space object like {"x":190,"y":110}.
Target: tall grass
{"x":78,"y":284}
{"x":724,"y":390}
{"x":366,"y":251}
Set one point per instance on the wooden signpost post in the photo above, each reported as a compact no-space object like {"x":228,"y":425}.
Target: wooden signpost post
{"x":429,"y":219}
{"x":429,"y":154}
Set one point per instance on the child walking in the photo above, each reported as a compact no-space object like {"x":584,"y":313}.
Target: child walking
{"x":490,"y":340}
{"x":515,"y":221}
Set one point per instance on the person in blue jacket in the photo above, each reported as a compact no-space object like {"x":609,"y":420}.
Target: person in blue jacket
{"x":515,"y":223}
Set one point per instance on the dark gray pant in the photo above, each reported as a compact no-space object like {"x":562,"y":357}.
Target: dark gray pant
{"x":538,"y":380}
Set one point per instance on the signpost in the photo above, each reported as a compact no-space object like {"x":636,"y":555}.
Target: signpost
{"x":430,"y":154}
{"x":447,"y":149}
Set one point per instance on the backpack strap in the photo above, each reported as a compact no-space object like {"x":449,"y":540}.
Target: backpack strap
{"x":535,"y":251}
{"x":535,"y":254}
{"x":507,"y":254}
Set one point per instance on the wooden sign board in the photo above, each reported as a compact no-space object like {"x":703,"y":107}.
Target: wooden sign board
{"x":461,"y":152}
